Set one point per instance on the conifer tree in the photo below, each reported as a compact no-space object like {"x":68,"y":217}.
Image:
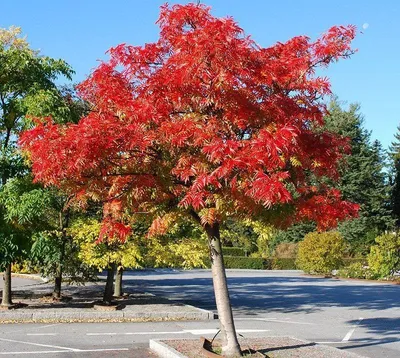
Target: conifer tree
{"x":363,"y":179}
{"x":394,"y":151}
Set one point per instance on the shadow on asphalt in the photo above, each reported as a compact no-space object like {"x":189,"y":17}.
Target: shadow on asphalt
{"x":279,"y":294}
{"x":283,"y":348}
{"x":360,"y":343}
{"x":76,"y":297}
{"x":380,"y":325}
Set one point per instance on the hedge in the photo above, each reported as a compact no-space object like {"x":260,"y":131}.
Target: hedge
{"x":258,"y":263}
{"x":283,"y":264}
{"x":241,"y":262}
{"x":233,"y":251}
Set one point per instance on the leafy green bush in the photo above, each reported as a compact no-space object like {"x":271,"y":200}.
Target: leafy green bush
{"x":347,"y":261}
{"x":46,"y":253}
{"x":234,"y":251}
{"x":384,"y":258}
{"x":320,"y":253}
{"x":355,"y":270}
{"x":283,"y":263}
{"x":24,"y":266}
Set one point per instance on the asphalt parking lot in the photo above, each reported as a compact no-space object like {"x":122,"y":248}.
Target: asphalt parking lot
{"x":359,"y":316}
{"x":356,"y":316}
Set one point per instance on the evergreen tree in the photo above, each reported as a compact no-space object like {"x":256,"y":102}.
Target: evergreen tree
{"x":394,"y":151}
{"x":363,"y":179}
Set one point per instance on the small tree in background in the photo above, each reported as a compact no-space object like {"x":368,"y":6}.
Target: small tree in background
{"x":321,"y":253}
{"x":207,"y":124}
{"x":110,"y":254}
{"x":26,"y":85}
{"x":384,"y":257}
{"x":181,"y":244}
{"x":22,"y":204}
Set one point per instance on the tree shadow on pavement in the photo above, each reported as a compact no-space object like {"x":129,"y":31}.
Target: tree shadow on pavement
{"x":380,"y":325}
{"x":369,"y":342}
{"x":274,"y":294}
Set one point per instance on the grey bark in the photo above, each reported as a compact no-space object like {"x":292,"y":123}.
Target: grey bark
{"x":108,"y":291}
{"x":118,"y":282}
{"x":231,"y":347}
{"x":64,"y":221}
{"x":6,"y":297}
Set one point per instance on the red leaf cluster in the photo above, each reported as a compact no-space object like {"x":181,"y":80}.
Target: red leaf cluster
{"x":113,"y":231}
{"x":203,"y":116}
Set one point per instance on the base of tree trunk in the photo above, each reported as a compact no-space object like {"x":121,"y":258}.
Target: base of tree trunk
{"x":12,"y":306}
{"x":107,"y":306}
{"x":61,"y":298}
{"x":6,"y":300}
{"x":57,"y":288}
{"x":109,"y":289}
{"x":7,"y":307}
{"x":231,"y":347}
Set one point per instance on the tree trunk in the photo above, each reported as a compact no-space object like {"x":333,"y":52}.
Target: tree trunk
{"x":64,"y":222}
{"x":57,"y":282}
{"x":108,"y":291}
{"x":59,"y":270}
{"x":231,"y":346}
{"x":6,"y":295}
{"x":6,"y":298}
{"x":118,"y":282}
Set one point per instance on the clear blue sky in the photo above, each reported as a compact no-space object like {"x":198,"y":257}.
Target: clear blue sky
{"x":80,"y":31}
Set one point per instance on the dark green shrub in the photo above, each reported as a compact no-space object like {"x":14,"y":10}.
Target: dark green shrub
{"x":240,"y":262}
{"x":234,"y":251}
{"x":267,"y":264}
{"x":283,"y":263}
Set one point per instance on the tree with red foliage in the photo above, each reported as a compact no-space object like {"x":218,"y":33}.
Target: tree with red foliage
{"x":203,"y":123}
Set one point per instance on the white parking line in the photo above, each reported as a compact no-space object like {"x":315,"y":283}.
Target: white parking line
{"x":350,"y":333}
{"x":290,"y":322}
{"x":34,"y":352}
{"x":185,"y":331}
{"x":24,"y":329}
{"x":274,"y":320}
{"x":62,"y":349}
{"x":199,"y":332}
{"x":39,"y":345}
{"x":42,"y":334}
{"x":50,"y":325}
{"x":252,"y":319}
{"x":132,"y":333}
{"x":342,"y":342}
{"x":67,"y":351}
